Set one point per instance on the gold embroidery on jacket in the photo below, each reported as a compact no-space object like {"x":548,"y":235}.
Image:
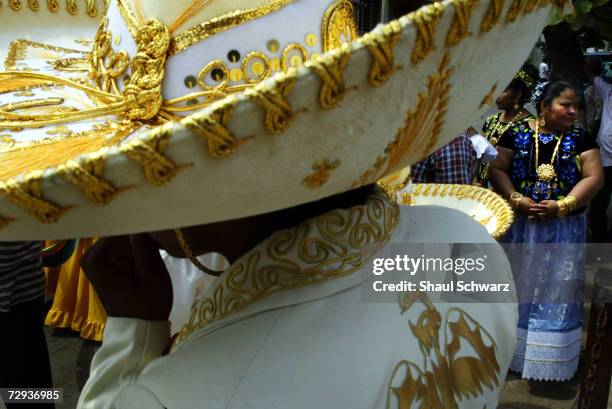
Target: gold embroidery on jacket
{"x":445,"y":378}
{"x":333,"y":245}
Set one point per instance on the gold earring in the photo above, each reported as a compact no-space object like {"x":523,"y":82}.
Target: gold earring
{"x":516,"y":106}
{"x":542,"y":122}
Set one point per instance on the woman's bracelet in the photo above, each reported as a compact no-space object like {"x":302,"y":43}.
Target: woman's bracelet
{"x":566,"y":205}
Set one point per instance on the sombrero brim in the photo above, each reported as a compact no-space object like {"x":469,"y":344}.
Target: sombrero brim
{"x":357,"y":114}
{"x":484,"y":206}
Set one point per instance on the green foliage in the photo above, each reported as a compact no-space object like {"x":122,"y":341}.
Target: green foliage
{"x":592,"y":19}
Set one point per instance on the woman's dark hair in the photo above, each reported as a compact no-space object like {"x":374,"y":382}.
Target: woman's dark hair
{"x":549,"y":92}
{"x":525,"y":81}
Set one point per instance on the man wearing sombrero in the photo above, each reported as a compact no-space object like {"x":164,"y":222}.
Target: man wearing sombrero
{"x":266,"y":123}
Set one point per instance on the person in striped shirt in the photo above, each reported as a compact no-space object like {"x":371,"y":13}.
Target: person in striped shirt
{"x":24,"y":357}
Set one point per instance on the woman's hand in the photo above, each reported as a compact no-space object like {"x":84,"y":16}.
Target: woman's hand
{"x":130,"y":277}
{"x":525,"y":205}
{"x":544,"y":209}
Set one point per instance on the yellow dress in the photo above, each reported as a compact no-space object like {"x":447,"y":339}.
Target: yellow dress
{"x":75,"y":303}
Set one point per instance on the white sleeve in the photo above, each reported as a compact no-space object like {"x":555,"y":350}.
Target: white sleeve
{"x":602,"y":86}
{"x":129,"y":346}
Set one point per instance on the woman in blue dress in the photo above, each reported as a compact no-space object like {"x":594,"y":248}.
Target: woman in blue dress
{"x":549,"y":169}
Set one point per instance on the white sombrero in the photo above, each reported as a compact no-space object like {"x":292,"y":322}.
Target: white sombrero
{"x":189,"y":112}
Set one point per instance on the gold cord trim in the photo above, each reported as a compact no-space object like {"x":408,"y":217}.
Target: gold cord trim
{"x":214,"y":26}
{"x":426,"y":20}
{"x":492,"y":15}
{"x":279,"y":113}
{"x":214,"y":129}
{"x":15,"y":4}
{"x":206,"y":29}
{"x":330,"y":69}
{"x":272,"y":269}
{"x":143,"y":93}
{"x":28,"y":195}
{"x":72,"y":7}
{"x":91,"y":9}
{"x":461,"y":21}
{"x":53,"y":6}
{"x":500,"y":209}
{"x":149,"y":153}
{"x":514,"y":10}
{"x":187,"y":250}
{"x":33,"y":5}
{"x":383,"y":54}
{"x":88,"y":178}
{"x":530,"y":6}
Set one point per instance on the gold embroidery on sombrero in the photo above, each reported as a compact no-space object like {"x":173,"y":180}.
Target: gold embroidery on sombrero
{"x":321,"y":173}
{"x":498,"y":207}
{"x":214,"y":129}
{"x":19,"y":50}
{"x":278,"y":111}
{"x":91,"y":9}
{"x":208,"y":28}
{"x":333,"y":245}
{"x":144,"y":90}
{"x":492,"y":15}
{"x":33,"y":5}
{"x":4,"y":221}
{"x":53,"y":5}
{"x":459,"y":28}
{"x":15,"y":4}
{"x":149,"y":153}
{"x":530,"y":6}
{"x":447,"y":376}
{"x":88,"y":177}
{"x":105,"y":65}
{"x":383,"y":54}
{"x":426,"y":20}
{"x":487,"y":100}
{"x":330,"y":69}
{"x":514,"y":10}
{"x":294,"y":55}
{"x":28,"y":195}
{"x":422,"y":128}
{"x":49,"y":153}
{"x":338,"y":25}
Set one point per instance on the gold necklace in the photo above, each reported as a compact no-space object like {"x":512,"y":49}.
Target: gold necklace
{"x":497,"y":130}
{"x":546,"y":171}
{"x":192,"y":258}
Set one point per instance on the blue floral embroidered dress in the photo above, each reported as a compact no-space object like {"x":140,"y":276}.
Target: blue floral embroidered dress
{"x":549,"y":274}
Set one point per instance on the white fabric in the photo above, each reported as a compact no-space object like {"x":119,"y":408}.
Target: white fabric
{"x":189,"y":283}
{"x":483,"y":148}
{"x":315,"y":347}
{"x":604,"y":138}
{"x":543,"y":70}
